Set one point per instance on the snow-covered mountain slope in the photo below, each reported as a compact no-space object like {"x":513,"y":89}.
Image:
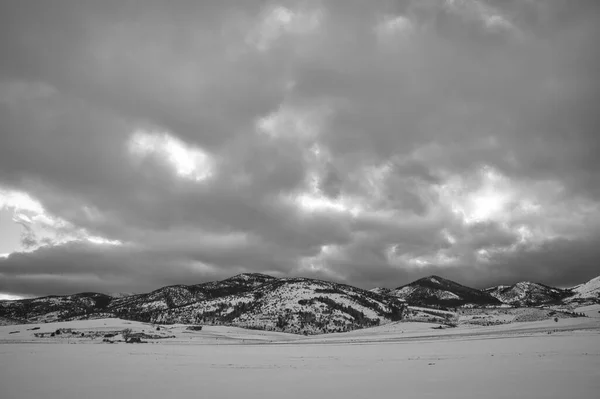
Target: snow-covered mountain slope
{"x":381,"y":290}
{"x":163,"y":298}
{"x":247,"y":300}
{"x":438,"y":291}
{"x":145,"y":306}
{"x":233,"y":285}
{"x":589,"y":290}
{"x":294,"y":305}
{"x":120,"y":294}
{"x":526,"y":293}
{"x":137,"y":306}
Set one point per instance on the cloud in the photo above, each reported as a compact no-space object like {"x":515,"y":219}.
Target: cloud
{"x":147,"y":143}
{"x":481,"y":12}
{"x":187,"y":162}
{"x":277,"y":21}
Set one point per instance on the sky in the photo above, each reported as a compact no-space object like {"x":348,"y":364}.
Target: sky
{"x":149,"y":143}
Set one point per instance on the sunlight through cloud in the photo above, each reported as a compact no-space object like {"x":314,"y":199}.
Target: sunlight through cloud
{"x":187,"y":162}
{"x":102,"y":241}
{"x":19,"y":201}
{"x":491,"y":18}
{"x":391,"y":26}
{"x":486,"y":202}
{"x":9,"y":297}
{"x":279,"y":21}
{"x":293,"y":122}
{"x":41,"y":229}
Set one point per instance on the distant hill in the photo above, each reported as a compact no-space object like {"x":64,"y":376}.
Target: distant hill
{"x":52,"y":308}
{"x":585,"y":291}
{"x":526,"y":293}
{"x":441,"y":292}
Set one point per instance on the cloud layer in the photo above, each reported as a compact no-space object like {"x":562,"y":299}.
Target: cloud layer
{"x":152,"y":143}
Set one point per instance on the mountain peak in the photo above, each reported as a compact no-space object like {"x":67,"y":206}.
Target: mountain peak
{"x":435,"y":279}
{"x":436,"y":290}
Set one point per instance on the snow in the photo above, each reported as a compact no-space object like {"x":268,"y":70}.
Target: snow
{"x":408,"y":360}
{"x":446,"y":295}
{"x":590,"y":310}
{"x":381,"y":290}
{"x":438,"y":311}
{"x":525,"y":292}
{"x":404,"y":291}
{"x":534,"y":292}
{"x":497,"y":287}
{"x":587,"y":290}
{"x":438,"y":293}
{"x":294,"y":300}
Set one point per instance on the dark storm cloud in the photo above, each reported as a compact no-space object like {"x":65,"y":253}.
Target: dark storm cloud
{"x":448,"y":137}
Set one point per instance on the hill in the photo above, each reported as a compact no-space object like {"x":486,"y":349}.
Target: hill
{"x":145,"y":306}
{"x":52,"y":308}
{"x":257,"y":301}
{"x":297,"y":305}
{"x":526,"y":293}
{"x":440,"y":292}
{"x":586,"y":291}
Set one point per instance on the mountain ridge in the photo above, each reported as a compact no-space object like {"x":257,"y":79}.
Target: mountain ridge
{"x":297,"y":305}
{"x":293,"y":304}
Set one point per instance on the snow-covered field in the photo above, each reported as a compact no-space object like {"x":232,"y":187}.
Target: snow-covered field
{"x":543,"y":359}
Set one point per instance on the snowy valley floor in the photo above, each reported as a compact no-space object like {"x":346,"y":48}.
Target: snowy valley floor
{"x":404,"y":360}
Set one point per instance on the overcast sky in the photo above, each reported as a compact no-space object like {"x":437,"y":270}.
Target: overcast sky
{"x":147,"y":143}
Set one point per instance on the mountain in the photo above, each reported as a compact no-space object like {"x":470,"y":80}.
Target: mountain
{"x":440,"y":292}
{"x":257,"y":301}
{"x":586,"y":291}
{"x":526,"y":293}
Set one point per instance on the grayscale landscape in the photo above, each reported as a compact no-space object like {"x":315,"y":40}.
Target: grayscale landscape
{"x":347,"y":343}
{"x":299,"y":199}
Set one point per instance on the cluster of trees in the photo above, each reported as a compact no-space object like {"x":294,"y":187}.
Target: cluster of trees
{"x":66,"y":307}
{"x":238,"y":310}
{"x":358,"y":316}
